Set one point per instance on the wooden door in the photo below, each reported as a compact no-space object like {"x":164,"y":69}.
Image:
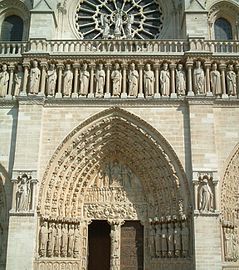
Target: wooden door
{"x":132,"y":246}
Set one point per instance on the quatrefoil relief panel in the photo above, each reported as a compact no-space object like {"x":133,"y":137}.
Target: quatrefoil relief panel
{"x":119,"y":19}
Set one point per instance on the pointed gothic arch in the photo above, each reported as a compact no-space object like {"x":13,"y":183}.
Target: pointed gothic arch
{"x":113,"y":134}
{"x":229,"y":200}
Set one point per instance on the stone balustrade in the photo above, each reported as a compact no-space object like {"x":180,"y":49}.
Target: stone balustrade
{"x":120,"y":78}
{"x":144,"y":47}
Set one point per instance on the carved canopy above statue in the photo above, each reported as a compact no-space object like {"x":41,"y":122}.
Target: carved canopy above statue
{"x":114,"y":158}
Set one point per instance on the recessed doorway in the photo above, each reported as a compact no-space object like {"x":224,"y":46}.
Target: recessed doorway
{"x":99,"y":245}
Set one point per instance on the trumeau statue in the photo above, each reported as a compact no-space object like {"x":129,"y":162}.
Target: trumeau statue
{"x":18,"y":80}
{"x":84,"y":80}
{"x":205,"y":197}
{"x":35,"y":75}
{"x":215,"y":80}
{"x":165,"y":80}
{"x":4,"y":78}
{"x":51,"y":80}
{"x":149,"y":80}
{"x":231,"y":81}
{"x":67,"y":81}
{"x":23,"y":194}
{"x":116,"y":77}
{"x":199,"y":79}
{"x":133,"y":78}
{"x":180,"y":80}
{"x":100,"y":81}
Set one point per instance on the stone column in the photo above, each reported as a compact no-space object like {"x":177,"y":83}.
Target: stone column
{"x":172,"y":71}
{"x":107,"y":92}
{"x":43,"y":79}
{"x":195,"y":185}
{"x":208,"y":86}
{"x":26,"y":67}
{"x":92,"y":69}
{"x":141,"y":93}
{"x":59,"y":85}
{"x":156,"y":68}
{"x":10,"y":84}
{"x":124,"y":93}
{"x":189,"y":66}
{"x":115,"y":244}
{"x":222,"y":67}
{"x":76,"y":73}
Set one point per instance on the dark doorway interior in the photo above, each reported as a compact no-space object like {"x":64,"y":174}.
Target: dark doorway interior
{"x":99,"y":246}
{"x":132,"y":246}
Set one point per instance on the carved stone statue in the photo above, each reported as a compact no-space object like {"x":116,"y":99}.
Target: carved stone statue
{"x":67,"y":81}
{"x":227,"y":244}
{"x":149,"y":80}
{"x":158,"y":240}
{"x":170,"y":240}
{"x":35,"y":75}
{"x":128,"y":27}
{"x":216,"y":80}
{"x":177,"y":239}
{"x":18,"y":80}
{"x":70,"y":240}
{"x":100,"y":81}
{"x":231,"y":81}
{"x":114,"y":240}
{"x":164,"y":240}
{"x":133,"y":78}
{"x":51,"y":239}
{"x":57,"y":248}
{"x":180,"y":80}
{"x":51,"y":80}
{"x":64,"y":240}
{"x":105,"y":22}
{"x":4,"y":78}
{"x":118,"y":22}
{"x":23,"y":195}
{"x":165,"y":80}
{"x":205,"y":197}
{"x":116,"y":77}
{"x":84,"y":80}
{"x":199,"y":79}
{"x":43,"y":236}
{"x":77,"y":238}
{"x":185,"y":240}
{"x":152,"y":237}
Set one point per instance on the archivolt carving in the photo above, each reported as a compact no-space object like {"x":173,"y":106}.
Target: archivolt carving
{"x":230,"y":208}
{"x":113,"y":136}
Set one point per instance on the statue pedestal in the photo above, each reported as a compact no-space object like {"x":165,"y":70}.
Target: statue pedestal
{"x":107,"y":95}
{"x":157,"y":95}
{"x":74,"y":95}
{"x":173,"y":95}
{"x":224,"y":96}
{"x":91,"y":95}
{"x":190,"y":94}
{"x":209,"y":94}
{"x":141,"y":95}
{"x":123,"y":95}
{"x":8,"y":97}
{"x":58,"y":95}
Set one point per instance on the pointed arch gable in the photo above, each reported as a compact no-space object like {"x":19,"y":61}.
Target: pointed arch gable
{"x":113,"y":134}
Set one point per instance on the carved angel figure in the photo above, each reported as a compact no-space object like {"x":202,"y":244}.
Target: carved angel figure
{"x":128,"y":27}
{"x":105,"y":22}
{"x":4,"y":78}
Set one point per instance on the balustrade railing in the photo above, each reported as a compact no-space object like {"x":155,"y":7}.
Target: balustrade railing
{"x":147,"y":47}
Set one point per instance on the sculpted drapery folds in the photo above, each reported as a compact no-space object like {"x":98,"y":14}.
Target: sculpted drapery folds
{"x":133,"y":78}
{"x":165,"y":80}
{"x":35,"y":75}
{"x":199,"y":79}
{"x":149,"y":80}
{"x":67,"y":81}
{"x":84,"y":80}
{"x":4,"y":78}
{"x":100,"y":81}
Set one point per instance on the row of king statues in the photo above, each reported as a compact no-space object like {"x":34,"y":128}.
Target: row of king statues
{"x":115,"y":80}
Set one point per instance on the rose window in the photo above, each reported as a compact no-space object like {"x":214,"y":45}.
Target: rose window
{"x":119,"y":19}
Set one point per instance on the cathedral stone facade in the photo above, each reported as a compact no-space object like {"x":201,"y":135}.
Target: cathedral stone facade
{"x":119,"y":135}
